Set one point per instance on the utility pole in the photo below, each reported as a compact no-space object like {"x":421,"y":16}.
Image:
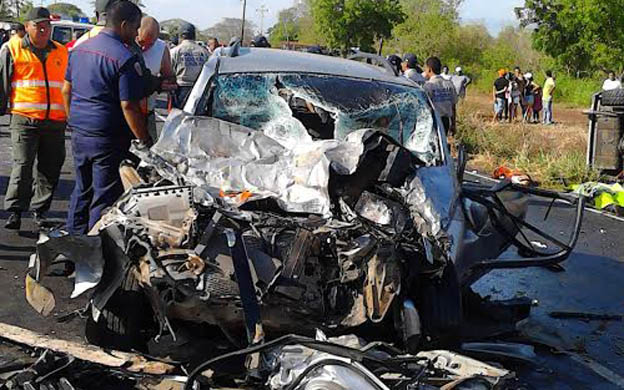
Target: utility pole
{"x":243,"y":26}
{"x":262,"y":11}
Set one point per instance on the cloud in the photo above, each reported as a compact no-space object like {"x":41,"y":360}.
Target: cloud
{"x":494,"y":14}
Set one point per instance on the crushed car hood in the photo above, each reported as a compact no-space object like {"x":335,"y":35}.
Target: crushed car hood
{"x":235,"y":164}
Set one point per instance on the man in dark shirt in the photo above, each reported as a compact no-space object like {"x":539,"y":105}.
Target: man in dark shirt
{"x":102,"y":92}
{"x":499,"y":95}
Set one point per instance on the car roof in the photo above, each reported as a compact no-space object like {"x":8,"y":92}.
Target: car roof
{"x":263,"y":60}
{"x":69,"y":23}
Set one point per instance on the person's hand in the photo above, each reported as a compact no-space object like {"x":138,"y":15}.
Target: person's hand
{"x":168,"y":85}
{"x":145,"y":143}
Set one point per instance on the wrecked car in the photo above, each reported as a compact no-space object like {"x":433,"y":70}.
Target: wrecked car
{"x":294,"y":192}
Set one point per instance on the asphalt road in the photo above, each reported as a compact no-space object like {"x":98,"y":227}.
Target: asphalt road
{"x":593,"y":281}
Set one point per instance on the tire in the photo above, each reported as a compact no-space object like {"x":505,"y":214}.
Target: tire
{"x":126,"y":320}
{"x":440,"y":307}
{"x":614,"y":97}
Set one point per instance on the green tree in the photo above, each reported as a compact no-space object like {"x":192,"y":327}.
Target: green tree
{"x":24,"y":8}
{"x":355,"y":23}
{"x":66,"y":9}
{"x":431,"y":28}
{"x":286,"y":28}
{"x":6,"y":12}
{"x":582,"y":35}
{"x":295,"y":24}
{"x":228,"y":28}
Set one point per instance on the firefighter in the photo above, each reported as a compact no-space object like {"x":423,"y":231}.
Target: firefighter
{"x":103,"y":91}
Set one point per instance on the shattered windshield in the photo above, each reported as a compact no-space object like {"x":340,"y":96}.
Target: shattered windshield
{"x":296,"y":109}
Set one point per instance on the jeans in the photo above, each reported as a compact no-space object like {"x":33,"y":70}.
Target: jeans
{"x":548,"y":112}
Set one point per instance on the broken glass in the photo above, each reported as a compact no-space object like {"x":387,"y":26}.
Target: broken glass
{"x":280,"y":104}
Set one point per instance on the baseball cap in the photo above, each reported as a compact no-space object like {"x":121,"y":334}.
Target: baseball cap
{"x":411,"y":60}
{"x":187,"y":28}
{"x":458,"y":69}
{"x":38,"y":14}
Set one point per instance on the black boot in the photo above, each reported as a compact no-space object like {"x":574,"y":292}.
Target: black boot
{"x":14,"y":222}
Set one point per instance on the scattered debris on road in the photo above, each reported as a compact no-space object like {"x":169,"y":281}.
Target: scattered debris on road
{"x":280,"y":205}
{"x":586,"y":316}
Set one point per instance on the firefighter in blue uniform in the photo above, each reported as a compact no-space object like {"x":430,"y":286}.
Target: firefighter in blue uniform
{"x":103,"y":90}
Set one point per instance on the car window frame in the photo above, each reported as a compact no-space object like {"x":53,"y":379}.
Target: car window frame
{"x":203,"y":91}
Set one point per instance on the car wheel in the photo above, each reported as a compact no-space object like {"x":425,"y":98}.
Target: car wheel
{"x":440,"y":307}
{"x":613,"y":97}
{"x":126,"y":320}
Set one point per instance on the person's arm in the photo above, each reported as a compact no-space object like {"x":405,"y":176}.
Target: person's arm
{"x":66,"y":91}
{"x":6,"y":73}
{"x":468,"y":81}
{"x":166,"y":73}
{"x":166,"y":68}
{"x":131,"y":92}
{"x":136,"y":119}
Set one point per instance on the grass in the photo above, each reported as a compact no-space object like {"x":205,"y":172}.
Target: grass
{"x":570,"y":90}
{"x":554,"y":156}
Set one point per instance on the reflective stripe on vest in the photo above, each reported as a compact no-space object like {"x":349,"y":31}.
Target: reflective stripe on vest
{"x":36,"y":91}
{"x":38,"y":106}
{"x":35,"y":83}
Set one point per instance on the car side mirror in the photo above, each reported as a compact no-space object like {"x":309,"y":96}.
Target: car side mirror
{"x":462,"y":160}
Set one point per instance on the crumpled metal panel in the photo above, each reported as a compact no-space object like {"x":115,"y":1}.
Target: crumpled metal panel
{"x":459,"y":366}
{"x":294,"y":360}
{"x":84,"y":251}
{"x":431,"y":194}
{"x":225,"y":158}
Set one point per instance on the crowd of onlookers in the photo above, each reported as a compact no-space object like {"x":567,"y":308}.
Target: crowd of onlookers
{"x":517,"y":97}
{"x":443,"y":88}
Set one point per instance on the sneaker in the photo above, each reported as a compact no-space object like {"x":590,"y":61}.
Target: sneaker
{"x":14,"y":222}
{"x":39,"y":217}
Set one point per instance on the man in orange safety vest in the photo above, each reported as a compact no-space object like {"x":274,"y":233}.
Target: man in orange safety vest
{"x":32,"y":71}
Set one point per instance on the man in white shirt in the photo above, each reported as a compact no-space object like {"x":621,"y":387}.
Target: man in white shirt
{"x":411,"y":70}
{"x":157,"y":59}
{"x":442,"y":93}
{"x":611,"y":82}
{"x":461,"y":82}
{"x":446,"y":75}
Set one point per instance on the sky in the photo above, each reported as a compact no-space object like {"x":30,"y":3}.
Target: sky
{"x":496,"y":14}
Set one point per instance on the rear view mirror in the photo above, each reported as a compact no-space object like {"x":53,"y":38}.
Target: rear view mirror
{"x":462,"y":160}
